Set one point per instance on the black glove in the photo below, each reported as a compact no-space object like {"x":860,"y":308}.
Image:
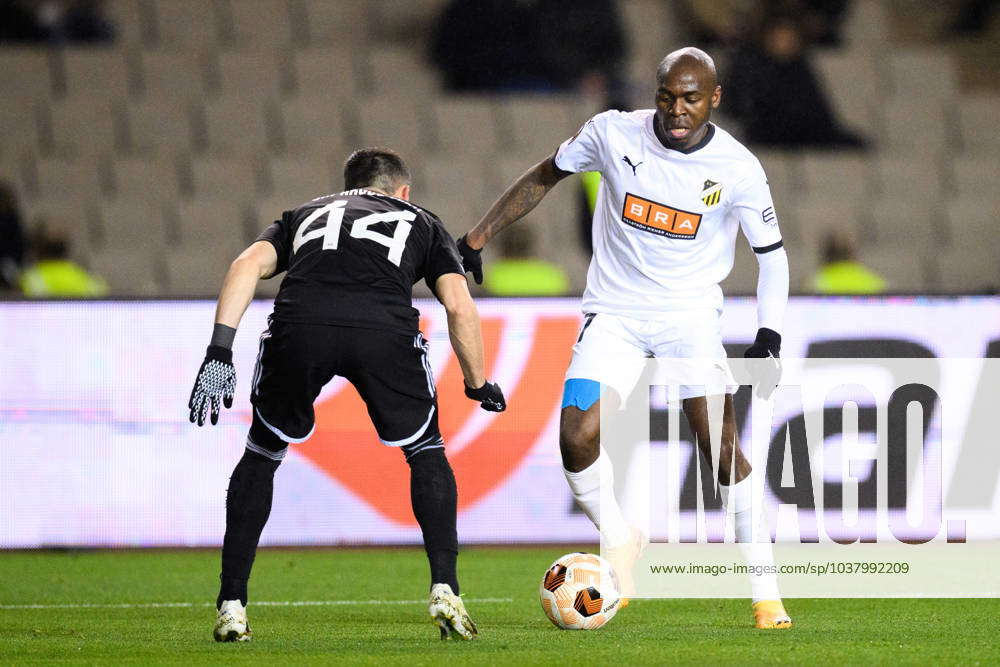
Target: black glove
{"x":216,"y":379}
{"x":472,"y":260}
{"x":766,"y":374}
{"x":490,"y":396}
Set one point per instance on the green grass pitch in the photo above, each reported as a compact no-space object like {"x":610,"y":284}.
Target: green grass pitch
{"x":500,"y":586}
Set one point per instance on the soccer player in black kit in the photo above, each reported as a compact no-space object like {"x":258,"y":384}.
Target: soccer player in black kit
{"x":345,"y":308}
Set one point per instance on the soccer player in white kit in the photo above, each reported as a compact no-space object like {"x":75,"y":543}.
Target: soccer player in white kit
{"x":674,"y":190}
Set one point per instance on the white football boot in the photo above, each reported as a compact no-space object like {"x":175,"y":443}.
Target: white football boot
{"x":448,"y":611}
{"x":231,"y":625}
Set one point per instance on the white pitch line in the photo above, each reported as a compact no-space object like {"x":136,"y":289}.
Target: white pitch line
{"x":263,"y":603}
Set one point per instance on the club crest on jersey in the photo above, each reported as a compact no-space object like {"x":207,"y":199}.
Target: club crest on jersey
{"x":711,"y":193}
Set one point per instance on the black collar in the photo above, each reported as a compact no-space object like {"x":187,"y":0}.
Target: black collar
{"x":709,"y":133}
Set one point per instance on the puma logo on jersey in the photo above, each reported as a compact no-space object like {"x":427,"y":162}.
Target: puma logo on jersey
{"x":659,"y":219}
{"x":711,"y":193}
{"x":627,"y":161}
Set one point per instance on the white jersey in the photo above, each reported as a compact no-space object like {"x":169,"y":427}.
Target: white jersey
{"x":665,"y":221}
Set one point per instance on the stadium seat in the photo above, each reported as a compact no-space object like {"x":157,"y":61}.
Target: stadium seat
{"x":383,"y":121}
{"x":911,"y":225}
{"x":77,"y":220}
{"x":94,"y":72}
{"x":128,"y":224}
{"x":25,"y":73}
{"x":976,"y":179}
{"x":921,"y":74}
{"x":159,"y":126}
{"x":977,"y":115}
{"x":173,"y":75}
{"x":214,"y":221}
{"x":86,"y":126}
{"x":972,"y":227}
{"x":69,"y":180}
{"x":239,"y":124}
{"x":454,"y":189}
{"x":539,"y":123}
{"x":853,"y":85}
{"x":145,"y":177}
{"x":403,"y":22}
{"x":401,"y":73}
{"x":258,"y":24}
{"x":268,"y":209}
{"x":968,"y":271}
{"x":903,"y":272}
{"x":902,"y":115}
{"x":649,"y":26}
{"x":127,"y":16}
{"x":198,"y":270}
{"x":328,"y":23}
{"x":742,"y":280}
{"x":297,"y":179}
{"x":22,"y":122}
{"x":814,"y":220}
{"x":227,"y":177}
{"x":833,"y":176}
{"x":902,"y":179}
{"x":467,"y":125}
{"x":263,"y":73}
{"x":330,"y":73}
{"x":135,"y":272}
{"x":185,"y":24}
{"x":866,"y":25}
{"x":314,"y":126}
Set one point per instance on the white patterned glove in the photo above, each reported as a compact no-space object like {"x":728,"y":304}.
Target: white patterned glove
{"x":216,"y":380}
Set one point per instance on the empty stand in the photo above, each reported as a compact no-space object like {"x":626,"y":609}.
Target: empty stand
{"x":325,"y":23}
{"x":149,"y":177}
{"x":331,"y":73}
{"x":218,"y":222}
{"x":243,"y":72}
{"x":86,"y":126}
{"x":25,"y":74}
{"x":198,"y":271}
{"x":313,"y":125}
{"x":383,"y":121}
{"x":975,"y":179}
{"x":257,"y":24}
{"x":401,"y":73}
{"x":172,"y":75}
{"x":227,"y":178}
{"x":68,"y":180}
{"x":539,"y":123}
{"x":903,"y":179}
{"x":95,"y":72}
{"x":467,"y":125}
{"x":833,"y":176}
{"x":903,"y":272}
{"x":238,"y":124}
{"x":185,"y":24}
{"x":299,"y":178}
{"x":977,"y":117}
{"x":159,"y":126}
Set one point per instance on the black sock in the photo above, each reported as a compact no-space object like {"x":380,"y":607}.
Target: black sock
{"x":248,"y":504}
{"x":435,"y":504}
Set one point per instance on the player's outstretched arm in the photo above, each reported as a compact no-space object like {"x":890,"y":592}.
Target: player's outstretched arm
{"x":517,"y":201}
{"x":467,"y":340}
{"x":216,"y":381}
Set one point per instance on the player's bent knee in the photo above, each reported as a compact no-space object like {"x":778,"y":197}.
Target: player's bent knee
{"x":432,"y":442}
{"x":263,"y":441}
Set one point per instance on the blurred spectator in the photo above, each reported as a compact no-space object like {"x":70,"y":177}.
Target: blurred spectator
{"x":715,"y":23}
{"x":773,"y":91}
{"x":841,"y":272}
{"x":528,"y":45}
{"x":57,"y":21}
{"x":520,"y":272}
{"x":11,"y":238}
{"x":54,"y":274}
{"x":972,"y":18}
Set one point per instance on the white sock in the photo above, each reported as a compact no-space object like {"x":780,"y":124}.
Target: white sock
{"x":586,"y":487}
{"x":756,"y":553}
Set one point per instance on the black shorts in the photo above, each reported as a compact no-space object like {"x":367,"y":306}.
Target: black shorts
{"x":389,"y":370}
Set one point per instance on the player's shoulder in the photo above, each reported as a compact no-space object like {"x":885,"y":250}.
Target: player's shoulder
{"x":725,"y":144}
{"x":615,"y":119}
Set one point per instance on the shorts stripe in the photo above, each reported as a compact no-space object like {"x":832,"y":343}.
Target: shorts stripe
{"x":260,"y":352}
{"x":413,"y":438}
{"x":267,"y":453}
{"x":287,"y":438}
{"x":419,"y":342}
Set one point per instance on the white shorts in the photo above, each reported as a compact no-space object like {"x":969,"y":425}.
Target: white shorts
{"x":614,"y":350}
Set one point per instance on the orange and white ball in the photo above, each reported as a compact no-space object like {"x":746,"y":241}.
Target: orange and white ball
{"x":580,"y":592}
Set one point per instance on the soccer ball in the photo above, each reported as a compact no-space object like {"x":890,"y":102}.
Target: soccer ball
{"x":580,"y":592}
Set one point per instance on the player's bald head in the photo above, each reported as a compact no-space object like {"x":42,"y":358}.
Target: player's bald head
{"x":691,"y":61}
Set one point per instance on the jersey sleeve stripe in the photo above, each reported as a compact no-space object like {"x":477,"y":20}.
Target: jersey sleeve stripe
{"x":768,"y":248}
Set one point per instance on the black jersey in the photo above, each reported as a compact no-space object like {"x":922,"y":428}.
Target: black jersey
{"x":353,"y":258}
